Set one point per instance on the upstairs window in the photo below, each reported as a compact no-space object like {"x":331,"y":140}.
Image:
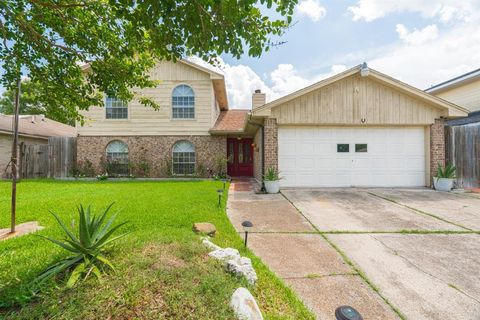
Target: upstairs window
{"x":183,"y":102}
{"x":116,"y":108}
{"x":183,"y":158}
{"x":117,"y":158}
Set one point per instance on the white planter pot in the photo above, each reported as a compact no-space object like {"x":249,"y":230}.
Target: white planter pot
{"x":272,"y":186}
{"x":443,"y":184}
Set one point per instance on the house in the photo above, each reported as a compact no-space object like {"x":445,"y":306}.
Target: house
{"x":33,"y":130}
{"x":463,"y":135}
{"x":358,"y":128}
{"x":463,"y":90}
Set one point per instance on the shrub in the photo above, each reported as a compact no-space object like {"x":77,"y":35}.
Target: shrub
{"x":166,"y":167}
{"x":140,"y":169}
{"x":201,"y":170}
{"x":88,"y":246}
{"x":83,"y":169}
{"x":220,"y":166}
{"x":272,"y":174}
{"x":447,"y":172}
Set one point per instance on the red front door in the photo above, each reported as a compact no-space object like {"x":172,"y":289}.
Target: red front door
{"x":240,"y":157}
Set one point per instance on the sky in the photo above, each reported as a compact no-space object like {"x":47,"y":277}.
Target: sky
{"x":420,"y":42}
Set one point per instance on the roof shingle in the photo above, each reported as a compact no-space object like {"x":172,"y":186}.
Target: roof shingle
{"x":37,"y":125}
{"x":231,"y":121}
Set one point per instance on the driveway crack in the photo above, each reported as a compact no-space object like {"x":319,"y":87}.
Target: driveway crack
{"x":421,"y":270}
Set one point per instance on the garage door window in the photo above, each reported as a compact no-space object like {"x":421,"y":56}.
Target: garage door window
{"x":343,"y":147}
{"x":361,"y":147}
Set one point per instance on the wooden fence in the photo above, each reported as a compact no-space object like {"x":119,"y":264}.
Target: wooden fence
{"x":463,"y":150}
{"x":53,"y":160}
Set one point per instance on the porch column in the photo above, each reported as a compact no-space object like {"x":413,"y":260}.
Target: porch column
{"x":271,"y":143}
{"x":437,"y":146}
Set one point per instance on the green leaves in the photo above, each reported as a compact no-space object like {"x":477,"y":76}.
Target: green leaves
{"x":272,"y":174}
{"x":50,"y":41}
{"x":87,"y":246}
{"x":448,"y":172}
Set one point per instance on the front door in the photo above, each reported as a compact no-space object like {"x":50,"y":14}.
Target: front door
{"x":240,"y":157}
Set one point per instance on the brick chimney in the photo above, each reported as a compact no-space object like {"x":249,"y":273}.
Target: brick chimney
{"x":258,"y":99}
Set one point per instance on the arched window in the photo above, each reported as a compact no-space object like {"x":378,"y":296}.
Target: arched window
{"x":183,"y":158}
{"x":117,"y":158}
{"x":183,"y":102}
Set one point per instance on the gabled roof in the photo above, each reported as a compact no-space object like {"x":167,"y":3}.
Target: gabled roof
{"x":453,"y":109}
{"x":464,"y":78}
{"x":218,"y":81}
{"x":37,"y":126}
{"x":231,"y":122}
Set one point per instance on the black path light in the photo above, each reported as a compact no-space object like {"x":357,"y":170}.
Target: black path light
{"x":224,"y":183}
{"x":220,"y":194}
{"x":347,"y":313}
{"x":247,"y":225}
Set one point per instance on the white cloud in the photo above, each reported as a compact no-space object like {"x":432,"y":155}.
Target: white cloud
{"x":241,"y":81}
{"x":416,"y":37}
{"x":312,"y":9}
{"x":444,"y":10}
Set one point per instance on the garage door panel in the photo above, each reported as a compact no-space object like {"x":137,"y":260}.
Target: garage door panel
{"x":308,"y":156}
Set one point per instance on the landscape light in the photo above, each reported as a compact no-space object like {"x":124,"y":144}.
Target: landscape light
{"x":347,"y":313}
{"x":247,"y":225}
{"x":220,"y":194}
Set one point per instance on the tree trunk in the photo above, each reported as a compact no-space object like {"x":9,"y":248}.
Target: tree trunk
{"x":14,"y":160}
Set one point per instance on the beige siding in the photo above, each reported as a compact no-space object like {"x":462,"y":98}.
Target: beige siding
{"x":257,"y":156}
{"x":6,"y":149}
{"x":348,"y":101}
{"x":466,"y":95}
{"x":146,"y":121}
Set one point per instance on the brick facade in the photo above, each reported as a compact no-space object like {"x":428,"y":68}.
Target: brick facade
{"x":437,"y":146}
{"x":271,"y":143}
{"x":155,"y":150}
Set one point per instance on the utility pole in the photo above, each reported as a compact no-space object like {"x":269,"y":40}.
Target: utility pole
{"x":14,"y":159}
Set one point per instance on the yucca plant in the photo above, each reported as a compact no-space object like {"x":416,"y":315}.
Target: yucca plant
{"x":87,"y":246}
{"x":447,"y":172}
{"x":272,"y":174}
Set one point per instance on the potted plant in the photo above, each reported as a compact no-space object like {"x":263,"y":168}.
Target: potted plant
{"x":445,"y":177}
{"x":272,"y":180}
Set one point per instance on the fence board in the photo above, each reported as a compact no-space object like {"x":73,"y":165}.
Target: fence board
{"x":55,"y":160}
{"x":463,"y":150}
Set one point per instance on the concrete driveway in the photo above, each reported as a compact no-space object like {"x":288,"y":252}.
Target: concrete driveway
{"x":420,"y":248}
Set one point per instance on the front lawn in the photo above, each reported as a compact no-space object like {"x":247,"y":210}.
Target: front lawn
{"x":162,"y":270}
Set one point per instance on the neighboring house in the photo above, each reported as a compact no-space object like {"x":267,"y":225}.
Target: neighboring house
{"x":463,"y":135}
{"x":463,"y":90}
{"x":358,"y":128}
{"x":33,"y":129}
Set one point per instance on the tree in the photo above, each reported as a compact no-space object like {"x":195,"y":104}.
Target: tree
{"x":49,"y":41}
{"x":36,"y":101}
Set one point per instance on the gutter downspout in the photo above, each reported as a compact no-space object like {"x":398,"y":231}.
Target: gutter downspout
{"x":259,"y":125}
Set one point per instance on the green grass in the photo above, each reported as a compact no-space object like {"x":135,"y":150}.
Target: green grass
{"x":162,"y":269}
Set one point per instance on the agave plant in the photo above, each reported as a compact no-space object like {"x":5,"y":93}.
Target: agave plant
{"x":447,"y":172}
{"x":87,"y":246}
{"x":272,"y":174}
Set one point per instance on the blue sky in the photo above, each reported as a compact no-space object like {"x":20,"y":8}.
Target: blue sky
{"x":420,"y":42}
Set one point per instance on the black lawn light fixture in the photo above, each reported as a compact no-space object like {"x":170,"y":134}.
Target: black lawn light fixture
{"x":247,"y":225}
{"x":220,"y":194}
{"x":347,"y":313}
{"x":224,"y":183}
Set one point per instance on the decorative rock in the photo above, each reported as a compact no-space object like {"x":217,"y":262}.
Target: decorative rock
{"x":225,"y":254}
{"x":242,"y":267}
{"x":244,"y":305}
{"x":204,"y":228}
{"x":210,"y":245}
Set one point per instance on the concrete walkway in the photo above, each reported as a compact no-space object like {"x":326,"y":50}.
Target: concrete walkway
{"x":289,"y":244}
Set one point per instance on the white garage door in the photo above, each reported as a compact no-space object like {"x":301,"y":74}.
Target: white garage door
{"x":351,"y":156}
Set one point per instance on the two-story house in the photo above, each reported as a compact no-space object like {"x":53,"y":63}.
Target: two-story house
{"x":190,"y":134}
{"x":357,"y":128}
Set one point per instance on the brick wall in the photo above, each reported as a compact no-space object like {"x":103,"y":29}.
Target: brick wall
{"x":271,"y":143}
{"x":155,"y":150}
{"x":437,"y":146}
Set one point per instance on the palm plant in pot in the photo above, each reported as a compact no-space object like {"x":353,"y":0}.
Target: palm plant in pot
{"x":445,"y":177}
{"x":272,"y":180}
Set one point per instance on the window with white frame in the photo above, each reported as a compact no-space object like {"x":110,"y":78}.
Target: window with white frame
{"x":117,"y":158}
{"x":183,"y":102}
{"x":116,"y":108}
{"x":183,"y":158}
